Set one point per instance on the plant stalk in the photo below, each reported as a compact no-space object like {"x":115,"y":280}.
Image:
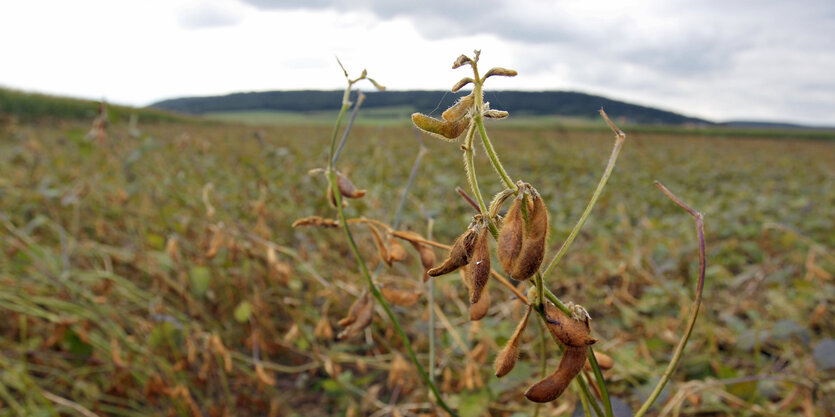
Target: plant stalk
{"x":694,"y":311}
{"x":603,"y":180}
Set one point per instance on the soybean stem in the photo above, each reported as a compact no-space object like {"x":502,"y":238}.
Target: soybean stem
{"x":694,"y":311}
{"x":605,"y":178}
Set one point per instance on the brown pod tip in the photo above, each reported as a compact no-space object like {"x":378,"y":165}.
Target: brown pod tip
{"x":347,"y":188}
{"x":479,"y":309}
{"x":550,"y":388}
{"x":506,"y":359}
{"x":459,"y":255}
{"x":396,"y":252}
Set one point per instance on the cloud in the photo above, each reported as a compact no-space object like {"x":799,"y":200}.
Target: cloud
{"x":209,"y":14}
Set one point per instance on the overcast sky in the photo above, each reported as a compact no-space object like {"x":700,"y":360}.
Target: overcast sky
{"x":716,"y":59}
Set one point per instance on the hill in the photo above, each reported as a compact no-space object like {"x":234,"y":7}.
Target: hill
{"x":31,"y":107}
{"x":551,"y":103}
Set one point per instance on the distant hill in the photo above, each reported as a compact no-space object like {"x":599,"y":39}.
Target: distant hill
{"x":556,"y":103}
{"x":30,"y":107}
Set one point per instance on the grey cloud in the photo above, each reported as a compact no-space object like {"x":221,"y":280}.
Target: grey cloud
{"x":744,"y":50}
{"x":206,"y":15}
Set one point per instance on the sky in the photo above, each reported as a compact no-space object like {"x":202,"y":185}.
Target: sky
{"x":716,"y":59}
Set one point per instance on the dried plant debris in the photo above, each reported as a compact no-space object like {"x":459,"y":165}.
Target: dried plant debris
{"x":360,"y":316}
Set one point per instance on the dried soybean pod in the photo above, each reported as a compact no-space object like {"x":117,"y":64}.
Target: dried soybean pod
{"x":506,"y":359}
{"x":459,"y":255}
{"x":571,"y":332}
{"x":459,"y":109}
{"x":354,"y":310}
{"x":396,"y":252}
{"x":447,"y":130}
{"x":332,"y":197}
{"x":550,"y":388}
{"x":364,"y":315}
{"x":479,"y":266}
{"x":398,"y":297}
{"x":347,"y":188}
{"x":604,"y":361}
{"x":381,"y":247}
{"x":427,"y":255}
{"x":510,"y":236}
{"x":533,"y":241}
{"x":479,"y":309}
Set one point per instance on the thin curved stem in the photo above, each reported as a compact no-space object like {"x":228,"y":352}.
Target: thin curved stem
{"x":494,"y":158}
{"x":472,"y":178}
{"x":605,"y":178}
{"x":694,"y":311}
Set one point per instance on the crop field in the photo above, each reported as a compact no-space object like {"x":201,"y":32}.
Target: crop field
{"x":156,"y":272}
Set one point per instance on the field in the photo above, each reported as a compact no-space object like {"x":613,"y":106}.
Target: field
{"x":157,"y":273}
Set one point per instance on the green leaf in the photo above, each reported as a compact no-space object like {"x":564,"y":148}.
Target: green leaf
{"x":243,"y":311}
{"x":200,"y":277}
{"x":474,"y":404}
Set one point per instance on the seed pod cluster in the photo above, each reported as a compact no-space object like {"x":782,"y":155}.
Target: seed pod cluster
{"x":522,"y":244}
{"x":472,"y":250}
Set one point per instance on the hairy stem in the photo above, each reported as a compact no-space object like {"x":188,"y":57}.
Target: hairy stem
{"x":473,"y":179}
{"x":478,"y":95}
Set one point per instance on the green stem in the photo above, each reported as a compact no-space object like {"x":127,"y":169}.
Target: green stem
{"x":494,"y":158}
{"x":469,"y":166}
{"x":379,"y":297}
{"x":601,"y":383}
{"x":373,"y":288}
{"x":478,"y":96}
{"x":431,"y":317}
{"x":345,"y":106}
{"x":605,"y":178}
{"x":543,"y":359}
{"x":584,"y":388}
{"x":694,"y":311}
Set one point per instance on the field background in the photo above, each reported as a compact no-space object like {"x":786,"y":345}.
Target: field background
{"x":141,"y":276}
